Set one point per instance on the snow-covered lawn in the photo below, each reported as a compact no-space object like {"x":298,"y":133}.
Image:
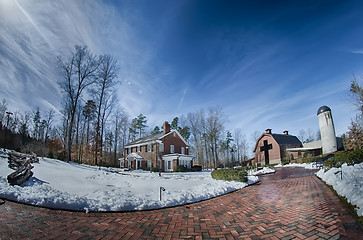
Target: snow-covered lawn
{"x":304,"y":165}
{"x":62,"y":185}
{"x":264,"y":170}
{"x":348,"y":182}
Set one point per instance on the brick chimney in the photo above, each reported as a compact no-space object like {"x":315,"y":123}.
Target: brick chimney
{"x":166,"y":128}
{"x":268,"y":131}
{"x":286,"y":132}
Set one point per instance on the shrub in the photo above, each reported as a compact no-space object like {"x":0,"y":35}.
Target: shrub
{"x":196,"y":168}
{"x":350,"y":158}
{"x":230,"y":175}
{"x":154,"y":169}
{"x":50,"y":154}
{"x":181,"y":168}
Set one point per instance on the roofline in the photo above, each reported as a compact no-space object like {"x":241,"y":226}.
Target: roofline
{"x":143,"y":143}
{"x":158,"y":140}
{"x":185,"y":142}
{"x":307,"y":149}
{"x":262,"y":135}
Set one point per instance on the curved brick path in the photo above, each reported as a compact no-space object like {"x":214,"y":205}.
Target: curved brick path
{"x":282,"y":206}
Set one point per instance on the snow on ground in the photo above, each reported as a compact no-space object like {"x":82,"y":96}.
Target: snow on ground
{"x":62,"y":185}
{"x":347,"y":181}
{"x":304,"y":165}
{"x":264,"y":170}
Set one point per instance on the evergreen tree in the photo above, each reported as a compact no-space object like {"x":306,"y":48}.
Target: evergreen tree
{"x":175,"y":123}
{"x":155,"y":131}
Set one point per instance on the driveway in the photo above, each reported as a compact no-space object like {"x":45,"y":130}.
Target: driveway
{"x":289,"y":204}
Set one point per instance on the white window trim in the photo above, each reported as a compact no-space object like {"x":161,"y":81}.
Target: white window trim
{"x":161,"y":147}
{"x":172,"y":149}
{"x":182,"y":150}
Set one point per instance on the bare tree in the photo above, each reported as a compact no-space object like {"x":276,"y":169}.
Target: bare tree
{"x":3,"y":108}
{"x":241,"y":145}
{"x":197,"y":127}
{"x":120,"y":120}
{"x":49,"y":121}
{"x":105,"y":83}
{"x":302,"y":135}
{"x":214,"y":128}
{"x":78,"y":72}
{"x":310,"y":135}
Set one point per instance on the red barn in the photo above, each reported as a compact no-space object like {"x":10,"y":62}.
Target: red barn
{"x":271,"y":148}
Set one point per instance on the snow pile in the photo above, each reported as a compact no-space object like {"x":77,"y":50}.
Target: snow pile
{"x":348,"y":182}
{"x":304,"y":165}
{"x":265,"y":170}
{"x":62,"y":185}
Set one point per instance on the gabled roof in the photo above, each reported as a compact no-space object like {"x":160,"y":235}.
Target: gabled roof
{"x":285,"y":140}
{"x":145,"y":139}
{"x":153,"y":138}
{"x":281,"y":139}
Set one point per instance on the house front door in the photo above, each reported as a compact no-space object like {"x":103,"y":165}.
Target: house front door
{"x":168,"y":165}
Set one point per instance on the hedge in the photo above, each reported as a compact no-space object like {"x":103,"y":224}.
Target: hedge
{"x":350,"y":158}
{"x":181,"y":168}
{"x":230,"y":175}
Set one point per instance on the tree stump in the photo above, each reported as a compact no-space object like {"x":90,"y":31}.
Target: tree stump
{"x":21,"y":163}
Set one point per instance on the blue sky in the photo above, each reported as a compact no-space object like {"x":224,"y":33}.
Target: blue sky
{"x":268,"y":64}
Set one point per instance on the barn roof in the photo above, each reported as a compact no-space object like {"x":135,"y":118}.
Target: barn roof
{"x":285,"y":140}
{"x":281,"y":139}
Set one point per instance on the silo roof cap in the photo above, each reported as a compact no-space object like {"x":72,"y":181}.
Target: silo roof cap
{"x":323,"y":109}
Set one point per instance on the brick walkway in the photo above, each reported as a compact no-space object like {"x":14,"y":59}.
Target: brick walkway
{"x":287,"y":208}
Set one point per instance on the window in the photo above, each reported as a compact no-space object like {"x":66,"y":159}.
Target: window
{"x":171,"y":148}
{"x":182,"y":150}
{"x":161,"y":147}
{"x":148,"y":147}
{"x":174,"y":134}
{"x":169,"y":164}
{"x":138,"y":149}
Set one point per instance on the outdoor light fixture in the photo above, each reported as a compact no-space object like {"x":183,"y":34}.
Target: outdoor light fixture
{"x":161,"y":190}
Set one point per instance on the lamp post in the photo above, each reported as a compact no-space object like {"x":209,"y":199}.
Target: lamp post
{"x":7,"y":127}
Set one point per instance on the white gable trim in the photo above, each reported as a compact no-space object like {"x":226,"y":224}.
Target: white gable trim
{"x":180,"y":136}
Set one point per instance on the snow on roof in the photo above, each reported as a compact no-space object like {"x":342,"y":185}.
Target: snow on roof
{"x":133,"y":156}
{"x":302,"y":149}
{"x":153,"y":138}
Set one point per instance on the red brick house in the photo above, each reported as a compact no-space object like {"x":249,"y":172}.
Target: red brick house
{"x":271,"y":148}
{"x":164,"y":151}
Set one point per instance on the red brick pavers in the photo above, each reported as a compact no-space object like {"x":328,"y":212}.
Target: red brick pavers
{"x":288,"y":208}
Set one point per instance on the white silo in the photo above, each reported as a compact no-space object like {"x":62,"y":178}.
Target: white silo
{"x":327,"y":131}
